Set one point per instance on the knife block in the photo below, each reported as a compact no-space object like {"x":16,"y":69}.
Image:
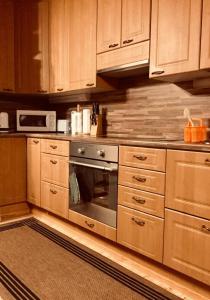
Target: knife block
{"x":96,"y":130}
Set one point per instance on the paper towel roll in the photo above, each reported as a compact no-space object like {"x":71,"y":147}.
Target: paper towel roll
{"x":73,"y":122}
{"x":86,"y":121}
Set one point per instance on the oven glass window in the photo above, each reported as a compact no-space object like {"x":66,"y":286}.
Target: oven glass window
{"x":32,"y":121}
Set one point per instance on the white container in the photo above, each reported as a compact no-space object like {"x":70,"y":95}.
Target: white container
{"x":74,"y":122}
{"x":86,"y":121}
{"x":4,"y":120}
{"x":79,"y":122}
{"x":63,"y":126}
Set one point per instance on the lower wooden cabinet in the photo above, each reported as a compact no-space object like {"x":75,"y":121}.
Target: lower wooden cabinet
{"x":187,"y":244}
{"x":140,"y":232}
{"x":55,"y":199}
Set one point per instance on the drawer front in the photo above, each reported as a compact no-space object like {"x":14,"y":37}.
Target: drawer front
{"x":55,"y":147}
{"x":55,"y":169}
{"x":188,"y":182}
{"x":146,"y":158}
{"x":187,"y":244}
{"x":150,"y":181}
{"x":93,"y":225}
{"x":55,"y":199}
{"x":146,"y":202}
{"x":140,"y":232}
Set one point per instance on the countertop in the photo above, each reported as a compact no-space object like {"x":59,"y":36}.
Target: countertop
{"x":153,"y":143}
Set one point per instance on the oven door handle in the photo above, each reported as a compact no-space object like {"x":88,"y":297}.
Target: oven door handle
{"x":92,"y":166}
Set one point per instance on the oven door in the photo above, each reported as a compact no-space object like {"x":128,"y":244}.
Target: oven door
{"x":93,"y":188}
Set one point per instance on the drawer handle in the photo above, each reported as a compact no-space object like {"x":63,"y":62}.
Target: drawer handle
{"x":207,"y":161}
{"x":140,"y":157}
{"x":141,"y":201}
{"x":53,"y":192}
{"x":158,"y":72}
{"x":54,"y":162}
{"x":90,"y":84}
{"x":53,"y":147}
{"x":140,"y":179}
{"x":138,"y":222}
{"x":127,"y":41}
{"x":60,"y":90}
{"x":41,"y":91}
{"x":113,"y":45}
{"x":205,"y":228}
{"x":35,"y":142}
{"x":91,"y":225}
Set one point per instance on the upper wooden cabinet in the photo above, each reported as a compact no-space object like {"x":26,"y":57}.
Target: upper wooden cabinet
{"x":175,"y":36}
{"x":31,"y":46}
{"x":7,"y":46}
{"x":122,"y":23}
{"x":205,"y":37}
{"x":82,"y":51}
{"x":135,"y":21}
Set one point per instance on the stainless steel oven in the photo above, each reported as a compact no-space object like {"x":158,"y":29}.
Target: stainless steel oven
{"x":93,"y":181}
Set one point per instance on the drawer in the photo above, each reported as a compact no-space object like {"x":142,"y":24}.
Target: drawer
{"x":55,"y":169}
{"x":188,"y":182}
{"x":150,"y":181}
{"x":55,"y":199}
{"x":55,"y":147}
{"x":145,"y":158}
{"x":93,"y":225}
{"x":187,"y":244}
{"x":146,"y":202}
{"x":140,"y":232}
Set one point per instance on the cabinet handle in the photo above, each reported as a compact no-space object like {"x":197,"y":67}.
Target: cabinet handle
{"x":207,"y":161}
{"x":60,"y":90}
{"x":41,"y":91}
{"x":53,"y":147}
{"x":140,"y":179}
{"x":8,"y":90}
{"x":53,"y":192}
{"x":113,"y":45}
{"x":140,"y":157}
{"x":141,"y":201}
{"x":158,"y":72}
{"x":127,"y":41}
{"x":91,"y":225}
{"x":35,"y":142}
{"x":90,"y":84}
{"x":205,"y":228}
{"x":138,"y":222}
{"x":54,"y":162}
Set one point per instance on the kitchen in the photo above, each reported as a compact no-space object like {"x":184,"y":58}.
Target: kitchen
{"x":118,"y":202}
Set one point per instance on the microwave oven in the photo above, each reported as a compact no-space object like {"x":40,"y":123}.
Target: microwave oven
{"x":36,"y":120}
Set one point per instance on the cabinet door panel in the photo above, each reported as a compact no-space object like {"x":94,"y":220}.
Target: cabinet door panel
{"x":186,"y":245}
{"x":6,"y":45}
{"x":205,"y":37}
{"x":109,"y":25}
{"x":31,"y":44}
{"x":175,"y":41}
{"x":135,"y":21}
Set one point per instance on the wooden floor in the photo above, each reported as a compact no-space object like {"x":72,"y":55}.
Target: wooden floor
{"x":177,"y":284}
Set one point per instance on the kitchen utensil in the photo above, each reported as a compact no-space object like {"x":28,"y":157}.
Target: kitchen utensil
{"x":187,"y":115}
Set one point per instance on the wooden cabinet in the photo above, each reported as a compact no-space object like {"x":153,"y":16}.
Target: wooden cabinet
{"x":31,"y":46}
{"x":187,"y":244}
{"x":205,"y":37}
{"x":82,"y":51}
{"x":7,"y":83}
{"x":175,"y":41}
{"x":140,"y":232}
{"x":188,"y":182}
{"x":33,"y":171}
{"x":135,"y":21}
{"x":59,"y":45}
{"x":55,"y":147}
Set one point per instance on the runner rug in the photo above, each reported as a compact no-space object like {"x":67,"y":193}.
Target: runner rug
{"x":37,"y":262}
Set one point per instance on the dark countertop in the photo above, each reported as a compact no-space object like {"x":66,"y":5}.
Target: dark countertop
{"x":141,"y":142}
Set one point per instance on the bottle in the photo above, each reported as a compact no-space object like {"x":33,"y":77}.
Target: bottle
{"x":79,"y":120}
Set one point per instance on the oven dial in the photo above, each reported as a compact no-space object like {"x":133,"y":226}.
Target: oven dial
{"x":81,"y":150}
{"x":101,"y":153}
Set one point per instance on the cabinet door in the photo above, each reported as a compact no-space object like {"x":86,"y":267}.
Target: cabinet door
{"x":205,"y":37}
{"x":187,"y":244}
{"x":135,"y":21}
{"x":33,"y":171}
{"x":82,"y":53}
{"x":6,"y":45}
{"x":188,"y":182}
{"x":31,"y":42}
{"x":175,"y":36}
{"x":59,"y":39}
{"x":109,"y":25}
